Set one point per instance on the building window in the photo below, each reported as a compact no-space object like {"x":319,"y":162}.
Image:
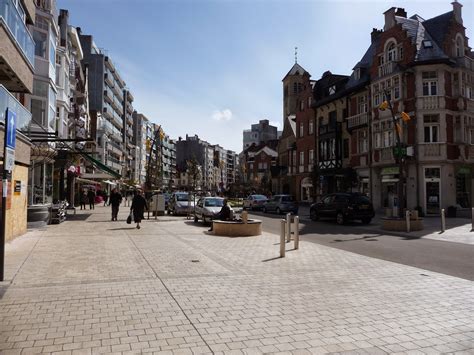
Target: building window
{"x":332,"y":90}
{"x":295,"y":88}
{"x":311,"y":126}
{"x":40,"y":39}
{"x":357,"y":74}
{"x":430,"y":83}
{"x":431,"y":128}
{"x":301,"y":158}
{"x":301,"y":129}
{"x":345,"y":148}
{"x":391,"y":52}
{"x":362,"y":104}
{"x":285,"y":91}
{"x":311,"y":157}
{"x":362,"y":142}
{"x":310,"y":101}
{"x":301,"y":105}
{"x":459,"y":47}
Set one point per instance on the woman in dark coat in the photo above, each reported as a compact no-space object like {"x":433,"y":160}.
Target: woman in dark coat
{"x":138,"y":207}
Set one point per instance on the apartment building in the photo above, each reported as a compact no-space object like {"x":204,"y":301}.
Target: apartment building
{"x":17,"y":63}
{"x":168,"y":153}
{"x":257,"y":162}
{"x":128,"y":147}
{"x":260,"y":132}
{"x":106,"y":108}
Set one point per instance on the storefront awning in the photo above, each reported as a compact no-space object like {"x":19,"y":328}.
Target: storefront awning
{"x":87,"y":181}
{"x":99,"y":165}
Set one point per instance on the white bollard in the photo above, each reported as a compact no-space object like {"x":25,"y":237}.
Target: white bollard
{"x":297,"y":232}
{"x":407,"y":218}
{"x":443,"y":221}
{"x":288,"y":227}
{"x":282,"y":238}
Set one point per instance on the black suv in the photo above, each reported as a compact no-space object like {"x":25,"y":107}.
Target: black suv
{"x":343,"y":207}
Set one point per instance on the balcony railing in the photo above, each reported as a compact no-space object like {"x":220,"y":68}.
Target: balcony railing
{"x":430,"y":102}
{"x":386,"y":154}
{"x":23,"y":116}
{"x":10,"y":16}
{"x":357,"y":120}
{"x":387,"y":68}
{"x":432,"y":150}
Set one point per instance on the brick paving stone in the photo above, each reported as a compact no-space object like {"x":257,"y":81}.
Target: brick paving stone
{"x":90,"y":288}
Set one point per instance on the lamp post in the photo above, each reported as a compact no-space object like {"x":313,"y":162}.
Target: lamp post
{"x":399,"y":158}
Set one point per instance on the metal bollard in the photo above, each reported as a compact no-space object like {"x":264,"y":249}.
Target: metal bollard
{"x":443,"y":221}
{"x":282,"y":238}
{"x":472,"y":213}
{"x":288,"y":227}
{"x":407,"y":219}
{"x":297,"y":232}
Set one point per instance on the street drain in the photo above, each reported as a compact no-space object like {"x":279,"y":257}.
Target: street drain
{"x":194,"y":261}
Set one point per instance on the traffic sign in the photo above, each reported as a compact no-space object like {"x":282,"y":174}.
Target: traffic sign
{"x":10,"y":124}
{"x":9,"y":159}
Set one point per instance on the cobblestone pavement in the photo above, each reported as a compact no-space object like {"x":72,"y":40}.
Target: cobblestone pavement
{"x":94,"y":286}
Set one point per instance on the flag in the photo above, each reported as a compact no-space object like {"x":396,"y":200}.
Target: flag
{"x":398,"y":128}
{"x":405,"y":117}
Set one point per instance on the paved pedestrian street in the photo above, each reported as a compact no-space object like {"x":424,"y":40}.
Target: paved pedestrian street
{"x":90,"y":285}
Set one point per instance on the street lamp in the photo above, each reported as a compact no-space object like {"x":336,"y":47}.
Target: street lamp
{"x":398,"y":152}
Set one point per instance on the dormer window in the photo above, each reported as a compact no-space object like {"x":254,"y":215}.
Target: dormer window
{"x":459,"y":46}
{"x":427,"y":44}
{"x":357,"y":74}
{"x":391,"y":52}
{"x":332,"y":90}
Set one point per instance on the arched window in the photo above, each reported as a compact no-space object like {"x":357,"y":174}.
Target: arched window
{"x":391,"y":52}
{"x":459,"y":46}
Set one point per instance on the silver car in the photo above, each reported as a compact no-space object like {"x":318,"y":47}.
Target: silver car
{"x":207,"y":208}
{"x":180,"y":203}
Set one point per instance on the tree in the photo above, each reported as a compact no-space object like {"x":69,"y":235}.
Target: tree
{"x":193,"y":171}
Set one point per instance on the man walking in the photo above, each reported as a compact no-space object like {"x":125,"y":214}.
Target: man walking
{"x":91,"y":197}
{"x":115,"y":200}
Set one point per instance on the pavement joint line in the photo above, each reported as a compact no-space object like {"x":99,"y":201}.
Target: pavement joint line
{"x":26,"y":259}
{"x":170,"y":293}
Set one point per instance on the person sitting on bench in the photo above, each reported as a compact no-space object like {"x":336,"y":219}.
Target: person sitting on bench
{"x":223,"y":215}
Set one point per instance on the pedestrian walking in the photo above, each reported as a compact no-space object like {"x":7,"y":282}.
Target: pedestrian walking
{"x":115,"y":201}
{"x":91,"y":198}
{"x":105,"y":197}
{"x":138,"y":207}
{"x":83,"y":199}
{"x":223,"y":215}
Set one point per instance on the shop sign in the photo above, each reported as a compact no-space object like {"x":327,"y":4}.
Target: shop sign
{"x":393,"y":170}
{"x":17,"y":188}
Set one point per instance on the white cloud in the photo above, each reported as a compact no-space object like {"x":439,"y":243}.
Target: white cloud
{"x":222,"y":115}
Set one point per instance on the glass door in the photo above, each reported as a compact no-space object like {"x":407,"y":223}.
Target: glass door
{"x":432,"y":197}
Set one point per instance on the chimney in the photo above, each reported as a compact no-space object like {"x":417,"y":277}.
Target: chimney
{"x":401,"y":12}
{"x":374,"y":34}
{"x":457,"y":11}
{"x":389,"y":18}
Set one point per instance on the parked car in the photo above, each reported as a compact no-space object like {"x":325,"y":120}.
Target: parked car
{"x":281,"y":204}
{"x":207,"y":208}
{"x":180,"y":203}
{"x":343,"y":207}
{"x":255,"y":202}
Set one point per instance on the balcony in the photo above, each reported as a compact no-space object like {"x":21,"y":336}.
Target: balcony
{"x":118,"y":92}
{"x":358,"y":120}
{"x":11,"y":18}
{"x":117,"y":120}
{"x":432,"y":151}
{"x":108,"y":96}
{"x":109,"y":78}
{"x":23,"y":116}
{"x":118,"y":105}
{"x":430,"y":102}
{"x":386,"y":69}
{"x":386,"y":154}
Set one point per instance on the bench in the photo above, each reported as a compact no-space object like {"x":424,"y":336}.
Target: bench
{"x":253,"y":227}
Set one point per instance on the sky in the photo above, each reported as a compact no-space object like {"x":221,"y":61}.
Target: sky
{"x":214,"y":67}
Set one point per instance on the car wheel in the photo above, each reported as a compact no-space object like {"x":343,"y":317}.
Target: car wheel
{"x":204,"y":219}
{"x":366,"y":220}
{"x":340,"y":218}
{"x":313,"y":215}
{"x":196,"y":219}
{"x":278,"y":211}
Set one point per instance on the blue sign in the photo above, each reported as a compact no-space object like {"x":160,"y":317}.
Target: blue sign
{"x":10,"y":124}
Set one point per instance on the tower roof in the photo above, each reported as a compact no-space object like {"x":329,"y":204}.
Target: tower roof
{"x":296,"y":69}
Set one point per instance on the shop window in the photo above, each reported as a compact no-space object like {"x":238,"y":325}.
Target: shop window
{"x":463,"y":188}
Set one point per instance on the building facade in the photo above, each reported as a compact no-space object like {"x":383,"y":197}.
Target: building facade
{"x":17,"y":58}
{"x":258,"y":133}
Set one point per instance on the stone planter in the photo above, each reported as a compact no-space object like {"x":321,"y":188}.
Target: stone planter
{"x":400,"y":225}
